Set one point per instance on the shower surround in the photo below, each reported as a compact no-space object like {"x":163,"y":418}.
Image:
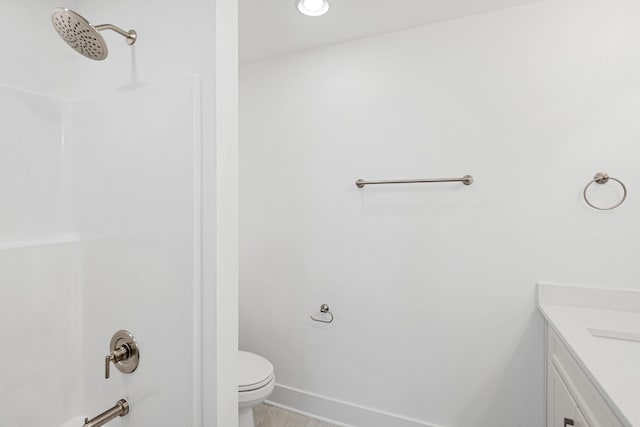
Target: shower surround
{"x":109,"y":216}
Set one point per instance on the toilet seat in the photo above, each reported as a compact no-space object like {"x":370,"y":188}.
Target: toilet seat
{"x":256,"y":382}
{"x":256,"y":372}
{"x":256,"y":386}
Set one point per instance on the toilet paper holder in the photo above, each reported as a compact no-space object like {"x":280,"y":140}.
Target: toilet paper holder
{"x":324,"y":309}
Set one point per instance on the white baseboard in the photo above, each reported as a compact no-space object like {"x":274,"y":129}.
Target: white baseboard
{"x":339,"y":412}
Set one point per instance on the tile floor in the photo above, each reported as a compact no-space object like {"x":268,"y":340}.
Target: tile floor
{"x":270,"y":416}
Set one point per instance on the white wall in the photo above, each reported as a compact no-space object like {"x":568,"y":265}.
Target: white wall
{"x":432,"y":286}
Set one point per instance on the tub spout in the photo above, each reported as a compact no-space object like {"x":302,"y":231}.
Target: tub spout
{"x":119,"y":410}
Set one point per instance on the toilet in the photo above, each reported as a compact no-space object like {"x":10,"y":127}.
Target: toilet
{"x":255,"y":385}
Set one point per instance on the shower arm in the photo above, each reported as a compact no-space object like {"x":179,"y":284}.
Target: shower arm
{"x":130,"y":35}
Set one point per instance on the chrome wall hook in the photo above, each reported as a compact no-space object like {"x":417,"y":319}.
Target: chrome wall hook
{"x":324,"y":309}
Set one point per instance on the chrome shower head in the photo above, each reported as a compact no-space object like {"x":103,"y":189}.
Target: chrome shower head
{"x":83,"y":37}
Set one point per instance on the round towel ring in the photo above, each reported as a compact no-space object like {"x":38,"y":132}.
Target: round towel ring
{"x":603,"y":178}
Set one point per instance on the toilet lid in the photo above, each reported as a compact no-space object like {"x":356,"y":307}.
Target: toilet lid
{"x":255,"y":371}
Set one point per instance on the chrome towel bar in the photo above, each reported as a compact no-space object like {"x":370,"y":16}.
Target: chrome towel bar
{"x":466,"y":180}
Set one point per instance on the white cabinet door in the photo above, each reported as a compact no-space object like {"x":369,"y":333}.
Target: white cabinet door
{"x":562,"y":410}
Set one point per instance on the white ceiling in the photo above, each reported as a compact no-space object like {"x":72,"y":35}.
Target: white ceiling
{"x":275,"y":27}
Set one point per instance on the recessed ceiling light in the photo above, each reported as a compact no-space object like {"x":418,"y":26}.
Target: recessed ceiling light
{"x":313,"y":7}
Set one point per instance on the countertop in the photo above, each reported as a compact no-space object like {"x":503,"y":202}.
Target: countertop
{"x":612,"y":364}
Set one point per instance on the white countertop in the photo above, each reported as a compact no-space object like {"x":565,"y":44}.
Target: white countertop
{"x":612,"y":364}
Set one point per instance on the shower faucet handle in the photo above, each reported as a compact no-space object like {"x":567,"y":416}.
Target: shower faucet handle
{"x":124,"y":354}
{"x":117,"y":355}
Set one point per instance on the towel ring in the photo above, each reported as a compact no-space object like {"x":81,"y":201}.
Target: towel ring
{"x":324,"y":308}
{"x":603,"y":178}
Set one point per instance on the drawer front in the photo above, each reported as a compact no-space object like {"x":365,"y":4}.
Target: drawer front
{"x":562,"y":410}
{"x":590,"y":402}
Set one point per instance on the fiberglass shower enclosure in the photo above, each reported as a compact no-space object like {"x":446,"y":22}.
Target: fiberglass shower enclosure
{"x":109,"y":219}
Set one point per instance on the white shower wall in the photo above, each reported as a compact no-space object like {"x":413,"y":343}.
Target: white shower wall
{"x":144,"y":130}
{"x":432,"y":286}
{"x":135,"y":208}
{"x":30,"y":60}
{"x":39,"y":283}
{"x":39,"y":295}
{"x":109,"y":218}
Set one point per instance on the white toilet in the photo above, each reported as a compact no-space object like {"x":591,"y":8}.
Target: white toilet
{"x":255,"y":385}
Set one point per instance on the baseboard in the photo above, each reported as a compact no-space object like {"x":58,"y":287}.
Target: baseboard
{"x":339,"y":412}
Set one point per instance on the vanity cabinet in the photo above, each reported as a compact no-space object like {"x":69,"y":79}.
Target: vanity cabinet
{"x":572,"y":398}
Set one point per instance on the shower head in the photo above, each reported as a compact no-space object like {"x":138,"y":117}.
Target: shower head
{"x":83,"y":37}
